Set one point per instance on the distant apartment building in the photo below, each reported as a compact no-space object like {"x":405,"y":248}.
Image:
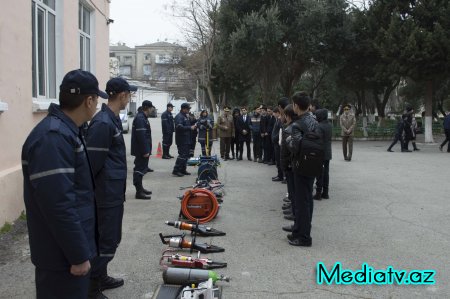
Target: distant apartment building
{"x":156,"y":62}
{"x":41,"y":40}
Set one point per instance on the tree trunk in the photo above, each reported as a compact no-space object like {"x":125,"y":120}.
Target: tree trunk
{"x":429,"y":113}
{"x":212,"y":98}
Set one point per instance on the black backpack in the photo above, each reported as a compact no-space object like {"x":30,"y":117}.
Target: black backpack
{"x":309,"y":160}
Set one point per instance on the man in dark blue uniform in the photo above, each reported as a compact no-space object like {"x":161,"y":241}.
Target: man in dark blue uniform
{"x":106,"y":148}
{"x":183,"y":129}
{"x":59,"y":192}
{"x":141,"y":148}
{"x":167,"y":130}
{"x":244,"y":127}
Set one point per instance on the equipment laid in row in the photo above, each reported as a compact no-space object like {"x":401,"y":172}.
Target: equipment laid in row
{"x":199,"y":205}
{"x":183,"y":261}
{"x":178,"y":241}
{"x":202,"y":230}
{"x":204,"y":290}
{"x":181,"y":276}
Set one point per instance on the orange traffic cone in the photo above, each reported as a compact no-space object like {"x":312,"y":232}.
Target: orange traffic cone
{"x":159,"y":151}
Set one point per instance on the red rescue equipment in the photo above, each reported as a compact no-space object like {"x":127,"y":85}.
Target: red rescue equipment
{"x":199,"y":204}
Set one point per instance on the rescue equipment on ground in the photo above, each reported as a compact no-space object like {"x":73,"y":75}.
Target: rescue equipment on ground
{"x":182,"y":276}
{"x":183,"y":261}
{"x":204,"y":290}
{"x":178,"y":241}
{"x":202,"y":230}
{"x":199,"y":205}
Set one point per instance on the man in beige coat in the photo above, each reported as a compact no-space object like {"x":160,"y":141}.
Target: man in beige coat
{"x":348,"y":122}
{"x":226,"y":131}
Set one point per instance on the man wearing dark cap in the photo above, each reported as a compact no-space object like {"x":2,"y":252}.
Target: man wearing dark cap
{"x":167,"y":130}
{"x":183,"y":129}
{"x":59,"y":191}
{"x":141,"y":148}
{"x":106,"y":148}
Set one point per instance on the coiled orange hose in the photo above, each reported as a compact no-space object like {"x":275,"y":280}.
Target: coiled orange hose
{"x":199,"y":204}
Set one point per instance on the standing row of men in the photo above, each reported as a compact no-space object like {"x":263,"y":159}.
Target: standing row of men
{"x":74,"y":188}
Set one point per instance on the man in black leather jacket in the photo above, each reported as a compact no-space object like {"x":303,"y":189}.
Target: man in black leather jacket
{"x":301,"y":231}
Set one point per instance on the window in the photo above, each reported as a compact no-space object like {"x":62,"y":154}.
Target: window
{"x":125,"y":70}
{"x":147,"y":70}
{"x":128,"y":60}
{"x":84,"y":26}
{"x":43,"y":16}
{"x":147,"y":56}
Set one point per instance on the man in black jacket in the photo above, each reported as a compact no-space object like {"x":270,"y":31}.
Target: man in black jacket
{"x":58,"y":190}
{"x":141,"y":148}
{"x":106,"y":148}
{"x":183,"y":139}
{"x":167,"y":130}
{"x":276,"y":145}
{"x":301,"y":231}
{"x":244,"y":127}
{"x":326,"y":129}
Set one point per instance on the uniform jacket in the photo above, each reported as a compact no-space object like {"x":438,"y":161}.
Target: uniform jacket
{"x":205,"y":124}
{"x":348,"y":121}
{"x":141,"y":136}
{"x":326,"y":130}
{"x":256,"y":123}
{"x":167,"y":123}
{"x":241,"y":126}
{"x":225,"y":122}
{"x":58,"y":194}
{"x":285,"y":154}
{"x":447,"y":122}
{"x":276,"y":130}
{"x":182,"y":129}
{"x":107,"y":153}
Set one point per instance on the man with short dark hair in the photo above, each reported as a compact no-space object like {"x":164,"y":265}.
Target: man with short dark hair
{"x":106,"y":148}
{"x":226,"y":132}
{"x":244,"y":127}
{"x":301,"y":231}
{"x":256,"y":134}
{"x":141,"y":149}
{"x":183,"y":139}
{"x":167,"y":130}
{"x":59,"y":192}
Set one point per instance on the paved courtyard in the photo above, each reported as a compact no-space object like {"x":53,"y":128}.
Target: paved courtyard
{"x":385,"y":209}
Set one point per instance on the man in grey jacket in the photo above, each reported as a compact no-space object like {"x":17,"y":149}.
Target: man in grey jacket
{"x":348,"y":122}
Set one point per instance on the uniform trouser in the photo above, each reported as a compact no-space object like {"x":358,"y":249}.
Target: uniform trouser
{"x":227,"y":144}
{"x":397,"y":137}
{"x":139,"y":170}
{"x":235,"y":142}
{"x":257,"y":141}
{"x":183,"y":156}
{"x":323,"y":180}
{"x":191,"y":147}
{"x":222,"y":147}
{"x":203,"y":146}
{"x":60,"y":285}
{"x":276,"y":153}
{"x":241,"y":148}
{"x":291,"y":189}
{"x":167,"y":142}
{"x":347,"y":143}
{"x":303,"y":207}
{"x":268,"y":149}
{"x":109,"y":221}
{"x":447,"y":139}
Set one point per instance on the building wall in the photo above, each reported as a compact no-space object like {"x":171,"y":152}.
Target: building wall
{"x":16,"y":85}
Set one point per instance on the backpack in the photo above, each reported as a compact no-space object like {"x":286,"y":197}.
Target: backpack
{"x":309,"y":161}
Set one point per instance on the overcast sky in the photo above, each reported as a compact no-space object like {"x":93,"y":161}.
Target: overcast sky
{"x":138,"y":22}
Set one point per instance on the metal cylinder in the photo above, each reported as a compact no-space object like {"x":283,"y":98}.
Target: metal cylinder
{"x":181,"y":276}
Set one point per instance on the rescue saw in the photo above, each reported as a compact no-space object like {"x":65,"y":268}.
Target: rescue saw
{"x":201,"y":230}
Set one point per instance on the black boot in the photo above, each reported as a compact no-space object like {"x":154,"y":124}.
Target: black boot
{"x":94,"y":290}
{"x":165,"y":154}
{"x":148,"y":192}
{"x":107,"y":282}
{"x":140,"y":194}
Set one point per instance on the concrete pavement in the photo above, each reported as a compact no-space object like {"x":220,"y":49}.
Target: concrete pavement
{"x":384,"y":209}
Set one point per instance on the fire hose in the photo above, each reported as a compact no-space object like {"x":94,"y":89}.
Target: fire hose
{"x":199,"y":205}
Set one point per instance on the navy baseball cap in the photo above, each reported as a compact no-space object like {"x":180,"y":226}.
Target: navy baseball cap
{"x":169,"y":105}
{"x":185,"y":106}
{"x":81,"y":82}
{"x":147,"y":103}
{"x":118,"y":85}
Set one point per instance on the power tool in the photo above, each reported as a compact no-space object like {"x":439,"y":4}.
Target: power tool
{"x":178,"y":241}
{"x":201,"y":230}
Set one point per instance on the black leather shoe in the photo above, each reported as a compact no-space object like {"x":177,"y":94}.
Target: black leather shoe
{"x":297,"y":242}
{"x":185,"y":173}
{"x":177,"y":173}
{"x":287,"y":212}
{"x":142,"y":195}
{"x":287,"y":228}
{"x":317,"y":196}
{"x":260,"y":160}
{"x":284,"y":181}
{"x":170,"y":156}
{"x":148,"y":192}
{"x":250,"y":159}
{"x":94,"y":291}
{"x":286,"y":199}
{"x":149,"y":169}
{"x":289,"y":217}
{"x":108,"y":282}
{"x":277,"y":179}
{"x":270,"y":163}
{"x":286,"y":207}
{"x":325,"y":196}
{"x":165,"y":157}
{"x":389,"y":150}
